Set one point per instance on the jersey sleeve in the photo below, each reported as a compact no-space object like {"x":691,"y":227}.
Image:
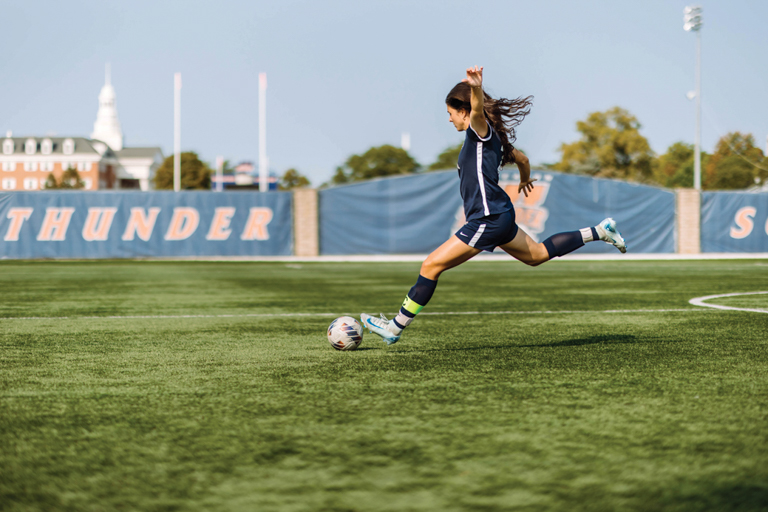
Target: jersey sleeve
{"x":474,"y":137}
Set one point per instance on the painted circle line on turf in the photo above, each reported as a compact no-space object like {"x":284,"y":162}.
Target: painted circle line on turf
{"x":699,"y":301}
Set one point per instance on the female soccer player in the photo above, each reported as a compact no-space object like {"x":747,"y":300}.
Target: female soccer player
{"x":490,"y":126}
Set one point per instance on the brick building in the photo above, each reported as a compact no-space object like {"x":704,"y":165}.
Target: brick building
{"x":101,"y":160}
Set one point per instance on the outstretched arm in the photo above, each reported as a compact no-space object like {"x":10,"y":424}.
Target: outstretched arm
{"x":477,"y":116}
{"x":524,"y":165}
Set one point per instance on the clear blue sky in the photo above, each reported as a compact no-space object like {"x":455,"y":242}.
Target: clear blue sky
{"x":347,"y":75}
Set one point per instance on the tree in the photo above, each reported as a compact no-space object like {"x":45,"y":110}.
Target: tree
{"x":675,"y":167}
{"x":448,"y":159}
{"x":611,"y":146}
{"x":195,"y":174}
{"x":736,"y":163}
{"x":292,"y":179}
{"x":378,"y":161}
{"x":70,"y":179}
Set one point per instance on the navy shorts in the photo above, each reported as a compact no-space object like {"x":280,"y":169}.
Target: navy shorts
{"x":487,"y":233}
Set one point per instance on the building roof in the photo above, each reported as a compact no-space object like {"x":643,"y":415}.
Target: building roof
{"x":82,"y":145}
{"x":149,"y":152}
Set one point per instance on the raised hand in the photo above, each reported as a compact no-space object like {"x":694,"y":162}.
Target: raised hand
{"x":525,"y":186}
{"x":474,"y":77}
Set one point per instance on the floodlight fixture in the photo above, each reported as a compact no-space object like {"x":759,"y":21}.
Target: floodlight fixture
{"x":692,"y":20}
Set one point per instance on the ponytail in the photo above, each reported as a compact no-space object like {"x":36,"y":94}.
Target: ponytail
{"x":503,"y":114}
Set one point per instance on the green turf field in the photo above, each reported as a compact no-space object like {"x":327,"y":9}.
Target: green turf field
{"x":142,"y":398}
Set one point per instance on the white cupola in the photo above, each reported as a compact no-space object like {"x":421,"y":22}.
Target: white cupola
{"x":107,"y":127}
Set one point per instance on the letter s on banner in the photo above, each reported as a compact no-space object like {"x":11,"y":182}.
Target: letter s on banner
{"x":17,"y":216}
{"x":183,"y":223}
{"x":97,"y":224}
{"x":743,"y":220}
{"x":256,"y":226}
{"x":55,"y":224}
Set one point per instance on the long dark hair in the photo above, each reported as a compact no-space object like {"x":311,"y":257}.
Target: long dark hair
{"x":503,"y":114}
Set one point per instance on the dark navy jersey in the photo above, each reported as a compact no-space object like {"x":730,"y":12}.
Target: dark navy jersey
{"x":479,"y":166}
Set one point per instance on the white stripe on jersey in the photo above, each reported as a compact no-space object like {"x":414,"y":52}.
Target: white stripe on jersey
{"x":480,"y":179}
{"x":477,"y":235}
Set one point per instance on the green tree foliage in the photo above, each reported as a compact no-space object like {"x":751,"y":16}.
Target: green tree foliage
{"x":378,"y":161}
{"x":448,"y":159}
{"x":292,"y":179}
{"x":195,"y":174}
{"x":70,"y":179}
{"x":610,"y":146}
{"x":736,"y":164}
{"x":675,"y":167}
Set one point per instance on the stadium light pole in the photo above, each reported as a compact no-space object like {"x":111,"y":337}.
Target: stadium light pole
{"x":219,"y":173}
{"x":177,"y":132}
{"x":692,"y":21}
{"x":263,"y":162}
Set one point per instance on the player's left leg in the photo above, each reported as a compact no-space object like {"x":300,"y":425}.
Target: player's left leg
{"x":450,"y":254}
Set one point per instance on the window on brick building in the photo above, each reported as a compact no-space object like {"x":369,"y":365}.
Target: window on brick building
{"x":30,"y":183}
{"x":68,"y":147}
{"x":8,"y":146}
{"x":30,"y":146}
{"x":46,"y":147}
{"x":9,"y":183}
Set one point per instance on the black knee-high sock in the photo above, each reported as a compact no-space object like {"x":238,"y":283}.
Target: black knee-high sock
{"x":416,"y":299}
{"x":561,"y":244}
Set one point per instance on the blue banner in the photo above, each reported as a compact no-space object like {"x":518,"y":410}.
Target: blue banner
{"x":144,"y":224}
{"x":401,"y":215}
{"x":734,"y":222}
{"x":416,"y":213}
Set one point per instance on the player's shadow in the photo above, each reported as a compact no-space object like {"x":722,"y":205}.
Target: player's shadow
{"x":591,"y":340}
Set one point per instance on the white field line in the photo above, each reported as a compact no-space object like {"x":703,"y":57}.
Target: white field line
{"x":332,"y":315}
{"x":484,"y":256}
{"x":700,"y":301}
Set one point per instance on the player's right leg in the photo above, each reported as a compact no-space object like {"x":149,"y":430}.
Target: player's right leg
{"x":450,"y":254}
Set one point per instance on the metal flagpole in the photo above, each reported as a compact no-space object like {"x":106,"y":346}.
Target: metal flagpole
{"x":177,"y":132}
{"x":219,"y":173}
{"x":263,"y":172}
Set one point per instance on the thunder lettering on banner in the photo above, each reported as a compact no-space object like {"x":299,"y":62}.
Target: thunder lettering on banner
{"x":744,"y":223}
{"x":97,"y":224}
{"x":183,"y":223}
{"x":141,"y":224}
{"x":55,"y":224}
{"x":256,"y":226}
{"x":17,"y":217}
{"x":222,"y":218}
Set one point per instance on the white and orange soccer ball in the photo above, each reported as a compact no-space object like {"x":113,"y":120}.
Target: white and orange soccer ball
{"x":345,"y":333}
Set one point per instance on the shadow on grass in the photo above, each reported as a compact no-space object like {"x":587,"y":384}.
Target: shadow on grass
{"x":739,"y":497}
{"x":592,"y":340}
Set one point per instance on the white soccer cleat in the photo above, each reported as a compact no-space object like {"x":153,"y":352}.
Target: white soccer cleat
{"x":608,"y":233}
{"x":380,"y":326}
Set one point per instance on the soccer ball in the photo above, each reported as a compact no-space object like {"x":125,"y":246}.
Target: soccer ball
{"x":345,"y":333}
